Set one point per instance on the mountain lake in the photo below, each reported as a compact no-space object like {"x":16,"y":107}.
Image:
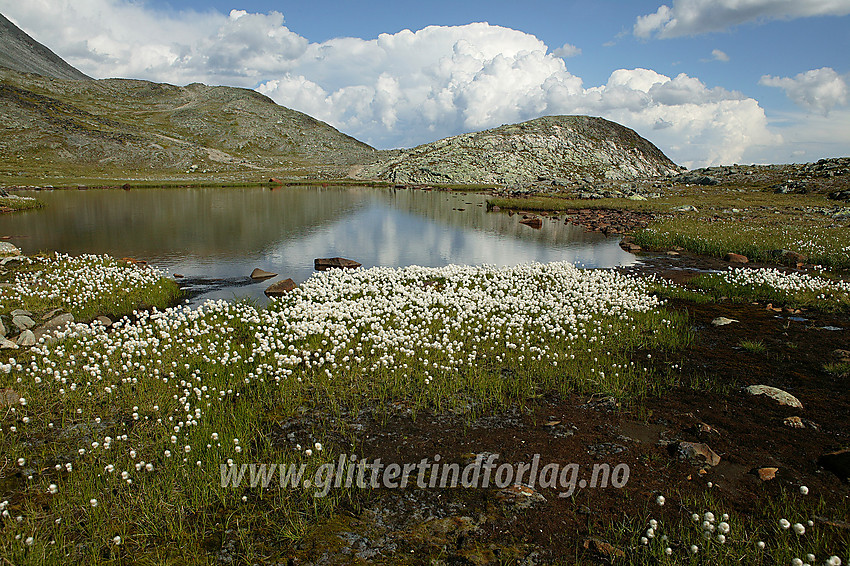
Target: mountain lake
{"x":215,"y":237}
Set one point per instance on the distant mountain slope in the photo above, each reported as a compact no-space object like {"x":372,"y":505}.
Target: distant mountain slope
{"x":20,"y":52}
{"x":114,"y":126}
{"x":569,"y":147}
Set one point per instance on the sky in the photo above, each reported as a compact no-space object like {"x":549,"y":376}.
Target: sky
{"x":708,"y":81}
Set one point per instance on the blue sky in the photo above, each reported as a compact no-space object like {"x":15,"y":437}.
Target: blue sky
{"x":708,"y":81}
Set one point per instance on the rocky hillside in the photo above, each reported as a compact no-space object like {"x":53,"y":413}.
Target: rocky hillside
{"x":116,"y":126}
{"x":20,"y":52}
{"x":561,"y":148}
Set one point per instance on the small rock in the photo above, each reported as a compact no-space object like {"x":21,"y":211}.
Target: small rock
{"x":26,"y":338}
{"x":104,"y":320}
{"x":262,"y":274}
{"x":778,"y":395}
{"x":837,"y":462}
{"x":51,"y":314}
{"x":20,"y":312}
{"x":9,"y":398}
{"x":767,"y":474}
{"x":3,"y":330}
{"x":696,"y":452}
{"x":735,"y":258}
{"x":686,"y":208}
{"x":794,"y":422}
{"x":321,"y":264}
{"x":23,"y":322}
{"x":532,"y":222}
{"x":787,"y":257}
{"x":637,"y":197}
{"x":671,"y":253}
{"x":7,"y":344}
{"x":522,"y":496}
{"x":722,"y":321}
{"x":603,"y":549}
{"x":280,"y":288}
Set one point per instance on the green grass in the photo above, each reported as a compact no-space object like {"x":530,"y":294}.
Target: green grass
{"x":839,"y":369}
{"x":717,"y":285}
{"x":753,"y":346}
{"x":15,"y":204}
{"x":760,"y":523}
{"x":818,"y":238}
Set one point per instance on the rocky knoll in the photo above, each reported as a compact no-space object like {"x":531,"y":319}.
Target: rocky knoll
{"x":561,"y":148}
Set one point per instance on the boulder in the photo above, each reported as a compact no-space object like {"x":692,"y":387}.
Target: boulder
{"x":735,"y":258}
{"x":259,"y":274}
{"x":766,"y":474}
{"x":321,"y":264}
{"x":788,"y":257}
{"x":280,"y":288}
{"x":26,"y":338}
{"x":8,"y":249}
{"x":696,"y":452}
{"x":23,"y":321}
{"x":778,"y":395}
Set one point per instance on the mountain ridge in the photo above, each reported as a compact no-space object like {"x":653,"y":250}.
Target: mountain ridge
{"x":56,"y":122}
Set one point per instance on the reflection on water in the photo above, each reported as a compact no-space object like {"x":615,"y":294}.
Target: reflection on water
{"x":226,"y":233}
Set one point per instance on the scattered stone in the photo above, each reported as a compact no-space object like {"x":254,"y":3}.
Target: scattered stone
{"x":9,"y":398}
{"x":23,"y":321}
{"x":533,"y":222}
{"x":686,"y":208}
{"x":837,"y":462}
{"x":104,"y":320}
{"x":767,"y":474}
{"x":603,"y":549}
{"x":8,"y":249}
{"x":51,"y":314}
{"x":26,"y":338}
{"x":3,"y":330}
{"x":778,"y":395}
{"x":794,"y":422}
{"x":321,"y":264}
{"x":605,"y":449}
{"x":722,"y":321}
{"x":522,"y":496}
{"x":735,"y":258}
{"x":18,"y":312}
{"x":606,"y":403}
{"x":56,"y":324}
{"x":7,"y":344}
{"x":280,"y":288}
{"x":696,"y":452}
{"x":671,"y":253}
{"x":262,"y":274}
{"x":637,"y":197}
{"x":787,"y":257}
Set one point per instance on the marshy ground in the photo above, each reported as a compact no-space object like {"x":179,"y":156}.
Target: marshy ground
{"x":114,"y":454}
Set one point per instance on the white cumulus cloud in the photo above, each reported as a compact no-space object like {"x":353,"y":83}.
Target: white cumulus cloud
{"x":818,"y":90}
{"x":695,"y":17}
{"x":567,"y":50}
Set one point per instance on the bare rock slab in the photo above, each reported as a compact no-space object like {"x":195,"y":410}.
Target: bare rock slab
{"x":259,"y":274}
{"x":778,"y":395}
{"x":322,"y":264}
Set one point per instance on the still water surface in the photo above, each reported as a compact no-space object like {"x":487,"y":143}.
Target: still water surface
{"x":225,"y":233}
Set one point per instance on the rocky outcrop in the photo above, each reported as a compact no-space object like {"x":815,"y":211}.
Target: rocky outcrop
{"x":568,"y":148}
